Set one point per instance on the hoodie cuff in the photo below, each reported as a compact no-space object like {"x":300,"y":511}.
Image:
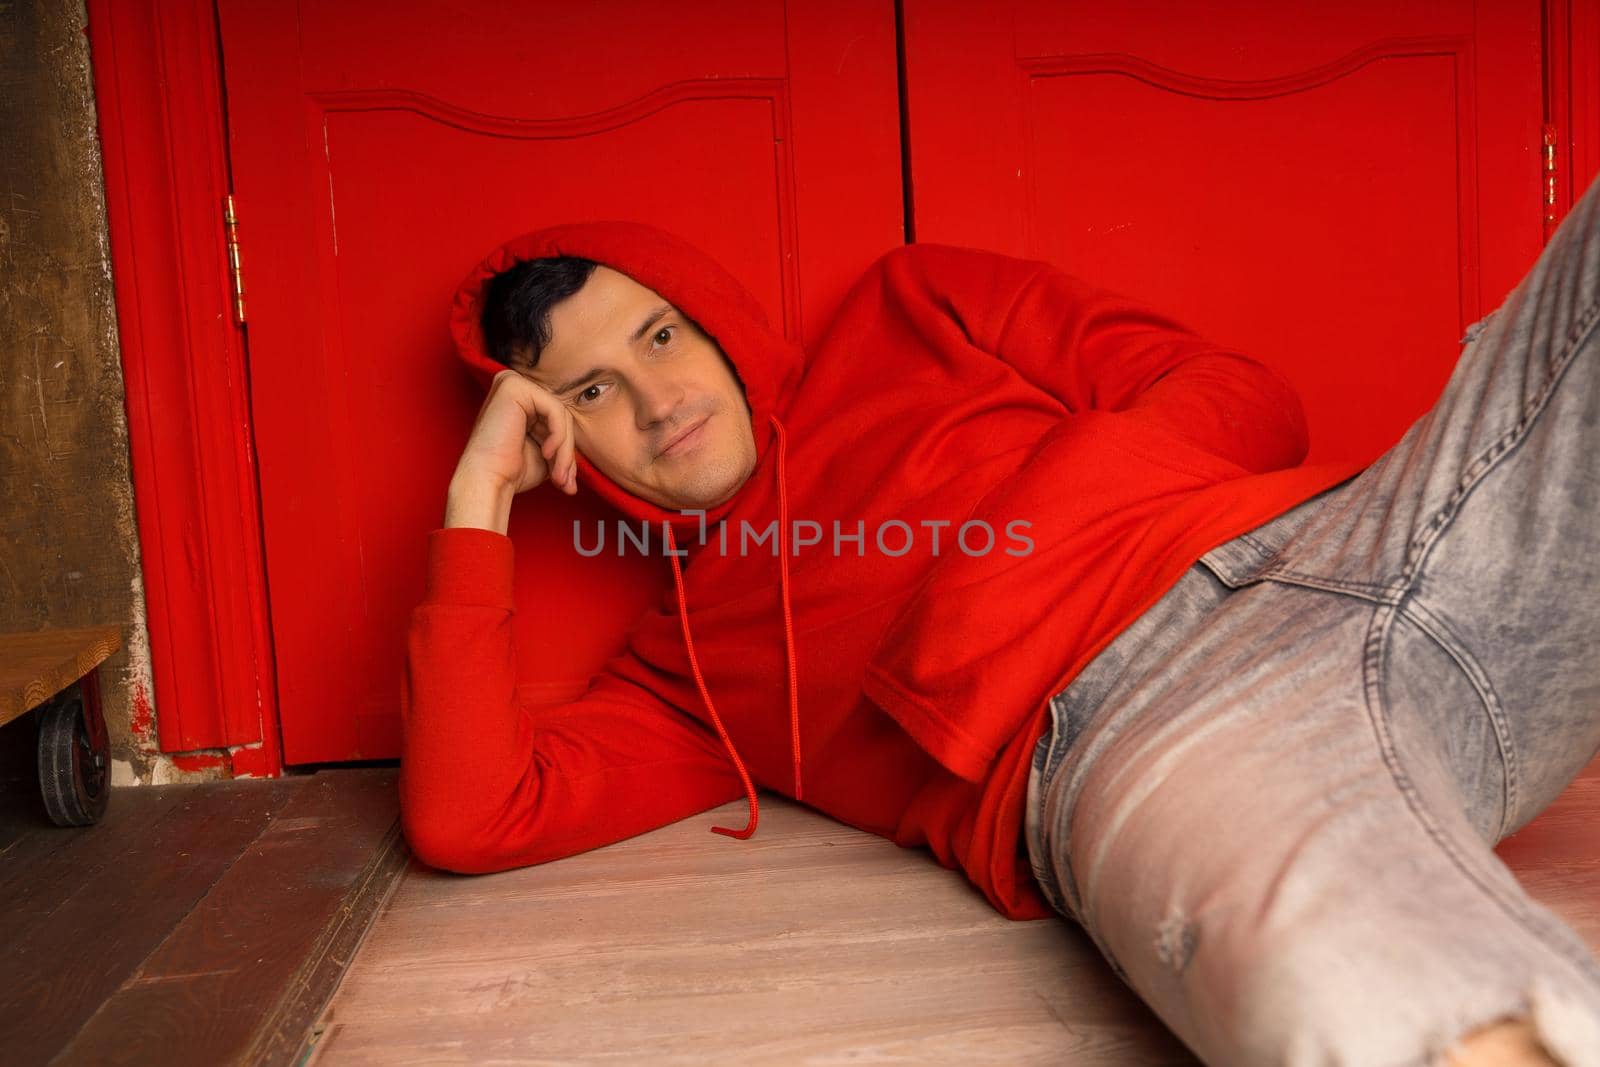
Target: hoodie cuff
{"x":468,"y":565}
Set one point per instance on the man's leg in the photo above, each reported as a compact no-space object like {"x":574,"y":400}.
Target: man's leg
{"x":1513,"y":1043}
{"x":1274,"y":882}
{"x":1482,"y":526}
{"x":1280,"y":835}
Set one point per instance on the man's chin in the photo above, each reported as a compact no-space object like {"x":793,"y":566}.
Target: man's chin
{"x":699,"y":497}
{"x":700,"y":501}
{"x":714,"y":483}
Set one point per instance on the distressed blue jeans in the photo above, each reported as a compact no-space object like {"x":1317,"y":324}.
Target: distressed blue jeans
{"x":1272,"y":801}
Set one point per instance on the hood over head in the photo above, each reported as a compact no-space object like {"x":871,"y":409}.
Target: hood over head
{"x":766,"y":364}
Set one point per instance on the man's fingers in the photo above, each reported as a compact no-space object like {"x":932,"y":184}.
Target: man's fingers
{"x":569,"y":447}
{"x":550,"y":424}
{"x":561,"y":444}
{"x":546,"y":422}
{"x":527,"y":462}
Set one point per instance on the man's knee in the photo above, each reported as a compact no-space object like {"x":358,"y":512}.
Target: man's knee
{"x":1290,"y":1012}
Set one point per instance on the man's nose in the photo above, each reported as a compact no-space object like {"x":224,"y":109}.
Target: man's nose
{"x":659,"y":397}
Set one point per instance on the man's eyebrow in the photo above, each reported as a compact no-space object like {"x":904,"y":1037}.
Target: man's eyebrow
{"x":581,"y":379}
{"x":655,"y":316}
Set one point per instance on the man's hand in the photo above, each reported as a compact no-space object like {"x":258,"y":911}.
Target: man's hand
{"x":523,"y":436}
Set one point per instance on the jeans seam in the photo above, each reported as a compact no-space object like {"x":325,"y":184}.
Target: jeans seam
{"x":1268,"y":568}
{"x":1422,"y":544}
{"x":1060,"y":730}
{"x":1453,"y":646}
{"x":1042,"y":872}
{"x":1067,"y":884}
{"x":1266,"y":550}
{"x":1374,"y":651}
{"x":1378,"y":592}
{"x":1053,"y":893}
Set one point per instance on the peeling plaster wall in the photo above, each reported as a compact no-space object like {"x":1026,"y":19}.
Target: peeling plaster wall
{"x":69,"y":550}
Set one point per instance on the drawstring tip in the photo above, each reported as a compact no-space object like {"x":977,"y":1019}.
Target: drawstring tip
{"x":749,"y":827}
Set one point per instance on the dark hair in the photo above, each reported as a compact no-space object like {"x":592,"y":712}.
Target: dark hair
{"x":517,"y":303}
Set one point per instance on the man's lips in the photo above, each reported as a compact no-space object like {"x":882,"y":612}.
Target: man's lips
{"x":686,"y":437}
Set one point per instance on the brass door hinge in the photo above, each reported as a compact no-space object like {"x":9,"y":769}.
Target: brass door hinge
{"x":230,"y":219}
{"x":1549,"y":178}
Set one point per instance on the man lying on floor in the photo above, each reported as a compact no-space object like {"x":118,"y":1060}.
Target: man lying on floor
{"x":1019,"y":570}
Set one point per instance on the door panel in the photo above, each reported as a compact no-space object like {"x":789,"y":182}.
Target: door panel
{"x":376,"y":161}
{"x":1338,"y":191}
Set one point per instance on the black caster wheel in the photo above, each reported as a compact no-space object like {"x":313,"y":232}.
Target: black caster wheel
{"x":74,"y":759}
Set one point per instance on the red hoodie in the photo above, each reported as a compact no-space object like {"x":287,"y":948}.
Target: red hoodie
{"x":899,"y":683}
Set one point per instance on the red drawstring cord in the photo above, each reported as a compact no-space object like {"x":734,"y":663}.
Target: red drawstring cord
{"x":788,"y":646}
{"x":705,"y":695}
{"x":788,"y":614}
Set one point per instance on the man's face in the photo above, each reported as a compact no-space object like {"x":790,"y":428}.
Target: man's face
{"x":655,"y":404}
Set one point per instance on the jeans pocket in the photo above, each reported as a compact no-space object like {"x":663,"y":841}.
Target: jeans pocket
{"x":1033,"y":828}
{"x":1068,"y":717}
{"x":1237,"y":563}
{"x":1247,"y":558}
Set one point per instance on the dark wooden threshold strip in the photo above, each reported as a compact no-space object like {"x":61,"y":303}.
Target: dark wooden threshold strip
{"x":285,"y":1035}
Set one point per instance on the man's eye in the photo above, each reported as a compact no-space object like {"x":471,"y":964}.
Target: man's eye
{"x":664,"y":335}
{"x":584,"y":396}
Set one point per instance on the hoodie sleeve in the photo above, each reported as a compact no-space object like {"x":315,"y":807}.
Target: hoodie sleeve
{"x":487,"y":782}
{"x":1095,"y":350}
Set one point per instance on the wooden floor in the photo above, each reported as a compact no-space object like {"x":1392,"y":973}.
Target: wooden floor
{"x":210,"y":924}
{"x":809,"y":943}
{"x":194,"y":924}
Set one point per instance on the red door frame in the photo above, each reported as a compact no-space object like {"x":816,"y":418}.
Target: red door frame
{"x":158,"y":92}
{"x":158,"y":86}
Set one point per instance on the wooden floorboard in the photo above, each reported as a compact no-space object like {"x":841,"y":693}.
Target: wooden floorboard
{"x":284,"y":1035}
{"x":211,"y":988}
{"x":120,"y":903}
{"x":811,"y":942}
{"x":204,"y":924}
{"x":45,"y":864}
{"x":21,"y":808}
{"x":1557,"y":855}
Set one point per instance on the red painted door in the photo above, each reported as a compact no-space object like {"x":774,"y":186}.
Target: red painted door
{"x":379,"y":151}
{"x":1336,"y":189}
